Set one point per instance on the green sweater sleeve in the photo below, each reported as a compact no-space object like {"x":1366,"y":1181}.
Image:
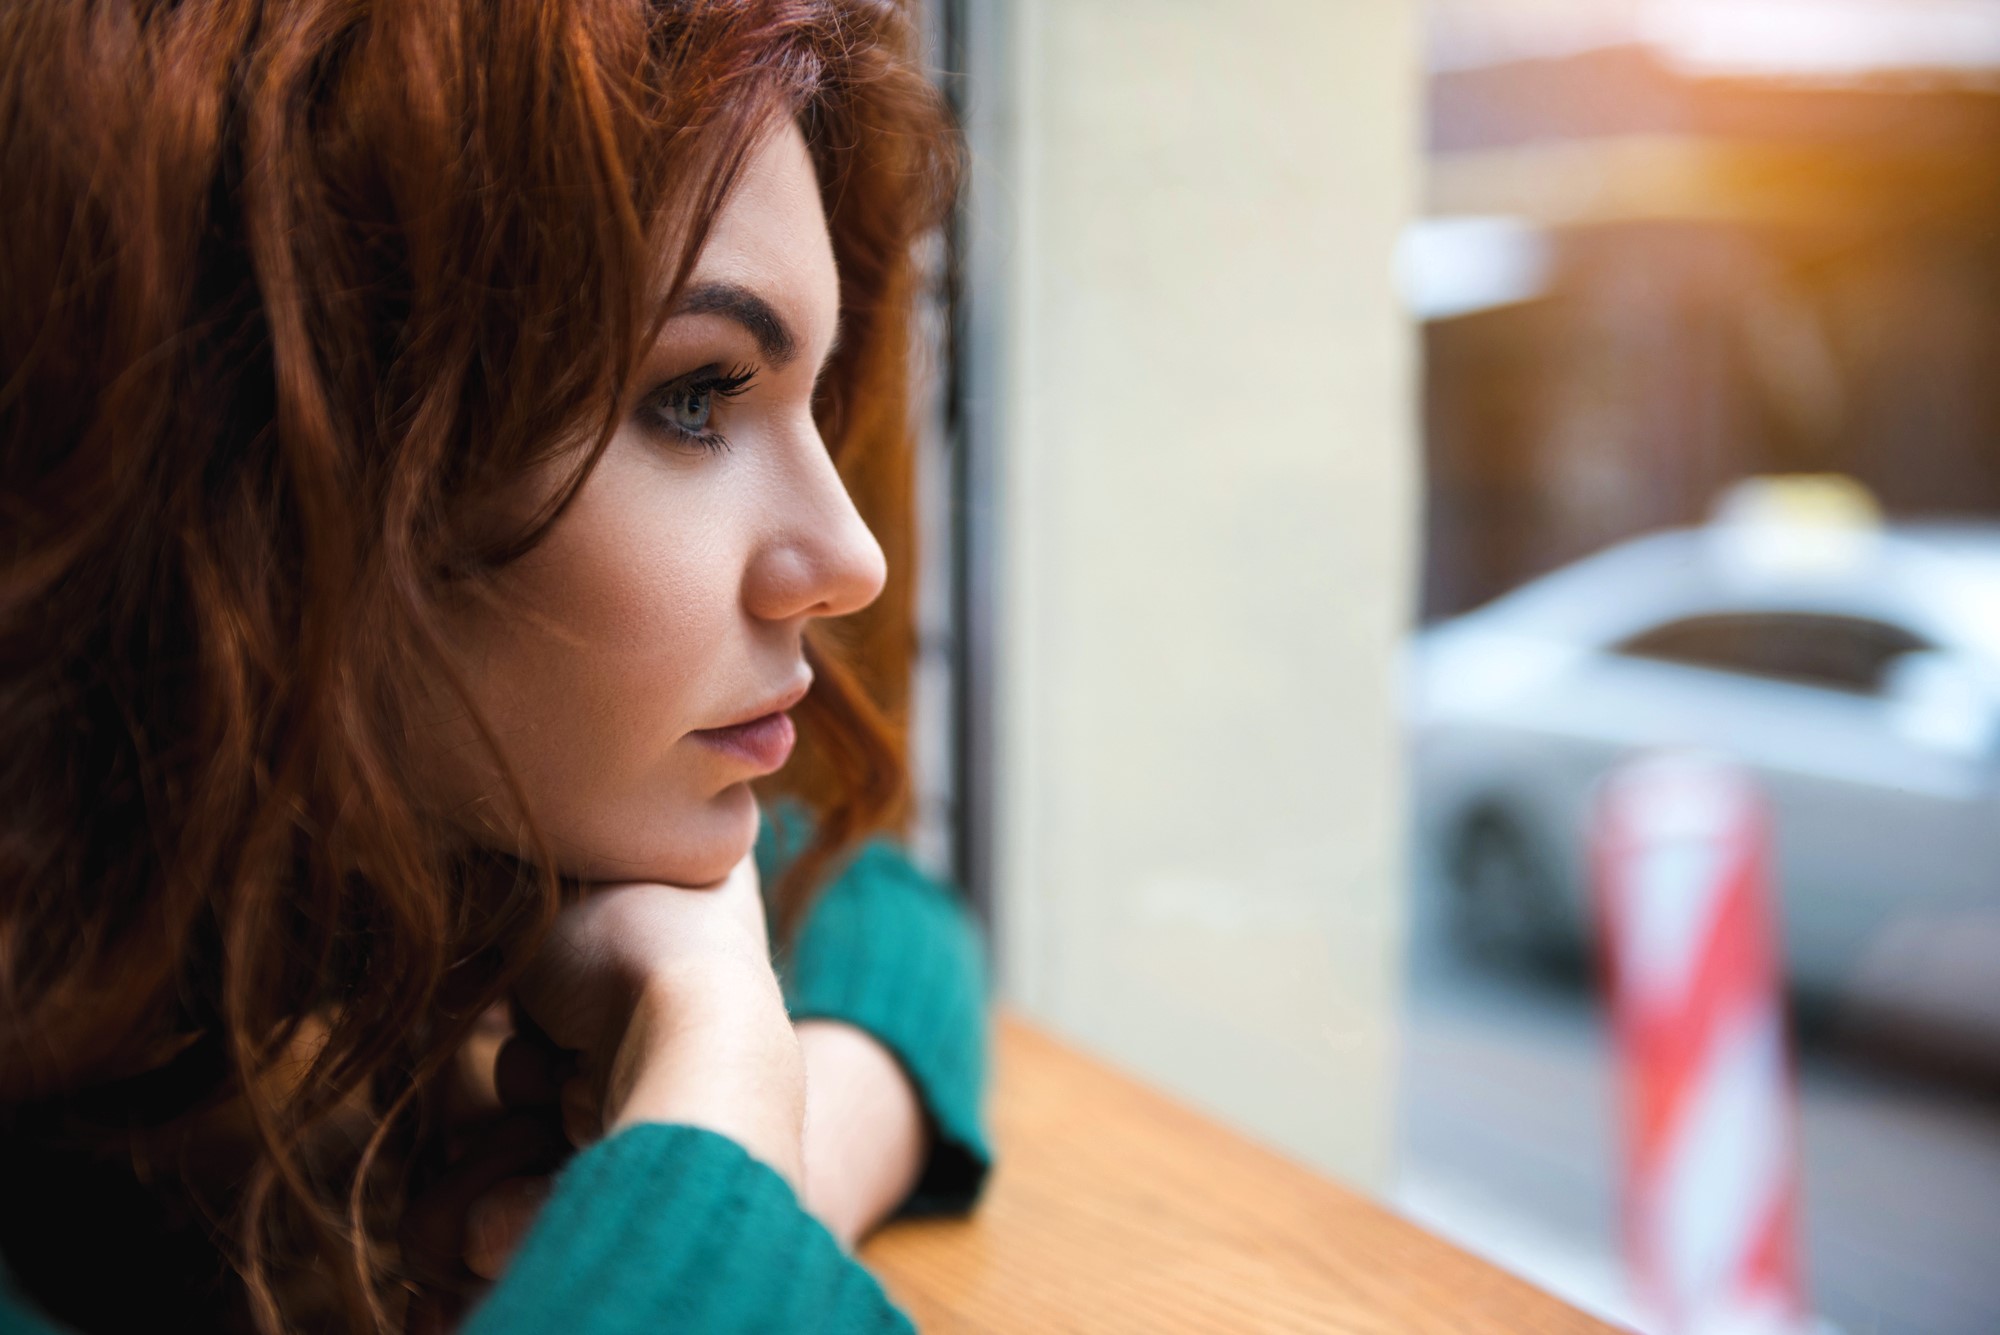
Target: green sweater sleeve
{"x":900,"y":956}
{"x":668,"y":1227}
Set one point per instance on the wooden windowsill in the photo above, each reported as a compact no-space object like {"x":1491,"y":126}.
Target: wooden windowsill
{"x":1113,"y":1208}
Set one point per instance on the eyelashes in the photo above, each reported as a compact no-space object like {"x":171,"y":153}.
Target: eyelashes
{"x":681,"y":408}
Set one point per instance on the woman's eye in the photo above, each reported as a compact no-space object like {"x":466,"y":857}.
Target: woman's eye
{"x":690,"y":410}
{"x":684,"y":408}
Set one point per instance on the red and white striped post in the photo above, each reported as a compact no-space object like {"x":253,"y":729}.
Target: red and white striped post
{"x":1684,"y":892}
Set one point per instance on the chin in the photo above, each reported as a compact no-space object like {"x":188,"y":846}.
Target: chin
{"x":732,"y":814}
{"x":694,"y":844}
{"x":707,"y":842}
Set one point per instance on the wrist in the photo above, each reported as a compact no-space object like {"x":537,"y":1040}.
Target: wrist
{"x":866,"y":1136}
{"x":721,"y":1055}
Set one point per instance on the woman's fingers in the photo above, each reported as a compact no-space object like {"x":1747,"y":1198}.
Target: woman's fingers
{"x":435,"y":1225}
{"x":469,"y":1092}
{"x":530,"y":1071}
{"x":623,"y":939}
{"x":498,"y":1220}
{"x":582,"y":1114}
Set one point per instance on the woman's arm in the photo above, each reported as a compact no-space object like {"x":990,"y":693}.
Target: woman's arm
{"x":865,"y":1140}
{"x":899,"y":957}
{"x":887,"y":986}
{"x":866,"y":1137}
{"x":686,"y":1215}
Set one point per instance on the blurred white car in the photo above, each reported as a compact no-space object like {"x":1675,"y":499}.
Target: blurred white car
{"x":1853,"y":668}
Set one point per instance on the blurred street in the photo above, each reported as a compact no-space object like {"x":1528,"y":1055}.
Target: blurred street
{"x":1509,"y":1146}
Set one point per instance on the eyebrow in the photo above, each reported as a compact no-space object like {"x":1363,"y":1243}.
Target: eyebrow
{"x":774,"y":337}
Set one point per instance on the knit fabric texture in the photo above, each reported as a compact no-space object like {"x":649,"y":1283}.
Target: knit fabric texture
{"x":671,"y":1228}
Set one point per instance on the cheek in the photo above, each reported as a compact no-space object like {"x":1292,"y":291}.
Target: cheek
{"x":621,"y":604}
{"x":634,"y":582}
{"x":598,"y":659}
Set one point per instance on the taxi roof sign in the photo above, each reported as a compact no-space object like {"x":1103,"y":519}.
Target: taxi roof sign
{"x":1801,"y":500}
{"x":1806,"y":524}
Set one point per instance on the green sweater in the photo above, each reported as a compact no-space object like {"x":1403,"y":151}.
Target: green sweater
{"x":678,"y":1228}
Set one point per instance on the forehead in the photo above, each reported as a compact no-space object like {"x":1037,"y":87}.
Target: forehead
{"x":771,"y":235}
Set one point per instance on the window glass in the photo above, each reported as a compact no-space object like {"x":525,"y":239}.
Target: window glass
{"x":1830,"y":652}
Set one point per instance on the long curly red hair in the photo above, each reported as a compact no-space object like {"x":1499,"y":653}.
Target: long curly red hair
{"x":291,"y":292}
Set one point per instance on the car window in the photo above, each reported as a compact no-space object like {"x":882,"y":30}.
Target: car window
{"x":1831,"y":652}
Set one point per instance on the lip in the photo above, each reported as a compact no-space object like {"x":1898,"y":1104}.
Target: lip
{"x":777,"y":704}
{"x":763,"y":740}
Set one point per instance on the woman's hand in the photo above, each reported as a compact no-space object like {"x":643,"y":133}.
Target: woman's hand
{"x":639,"y":969}
{"x":626,"y":942}
{"x":863,"y":1146}
{"x":646,"y":1002}
{"x":503,"y":1141}
{"x":668,"y":996}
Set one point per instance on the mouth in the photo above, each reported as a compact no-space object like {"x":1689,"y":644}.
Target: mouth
{"x":763,"y":739}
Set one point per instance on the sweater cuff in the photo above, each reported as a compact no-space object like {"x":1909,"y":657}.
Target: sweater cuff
{"x":901,"y":957}
{"x":669,"y":1226}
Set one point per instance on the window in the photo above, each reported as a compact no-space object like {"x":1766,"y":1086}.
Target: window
{"x":1831,"y":652}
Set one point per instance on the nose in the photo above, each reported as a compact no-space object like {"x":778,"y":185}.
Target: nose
{"x":820,"y":559}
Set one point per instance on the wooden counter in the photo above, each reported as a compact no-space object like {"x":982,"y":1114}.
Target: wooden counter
{"x":1114,"y":1208}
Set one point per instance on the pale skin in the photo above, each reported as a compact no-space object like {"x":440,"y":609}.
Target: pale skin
{"x":671,"y":598}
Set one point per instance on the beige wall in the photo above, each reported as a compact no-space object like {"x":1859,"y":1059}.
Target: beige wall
{"x":1206,"y":545}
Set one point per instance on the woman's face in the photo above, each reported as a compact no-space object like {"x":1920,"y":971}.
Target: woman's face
{"x":670,"y":600}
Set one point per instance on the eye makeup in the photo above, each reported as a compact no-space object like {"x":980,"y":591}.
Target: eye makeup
{"x":681,"y":408}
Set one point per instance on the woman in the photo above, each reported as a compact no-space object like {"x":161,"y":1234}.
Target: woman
{"x":418,"y":441}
